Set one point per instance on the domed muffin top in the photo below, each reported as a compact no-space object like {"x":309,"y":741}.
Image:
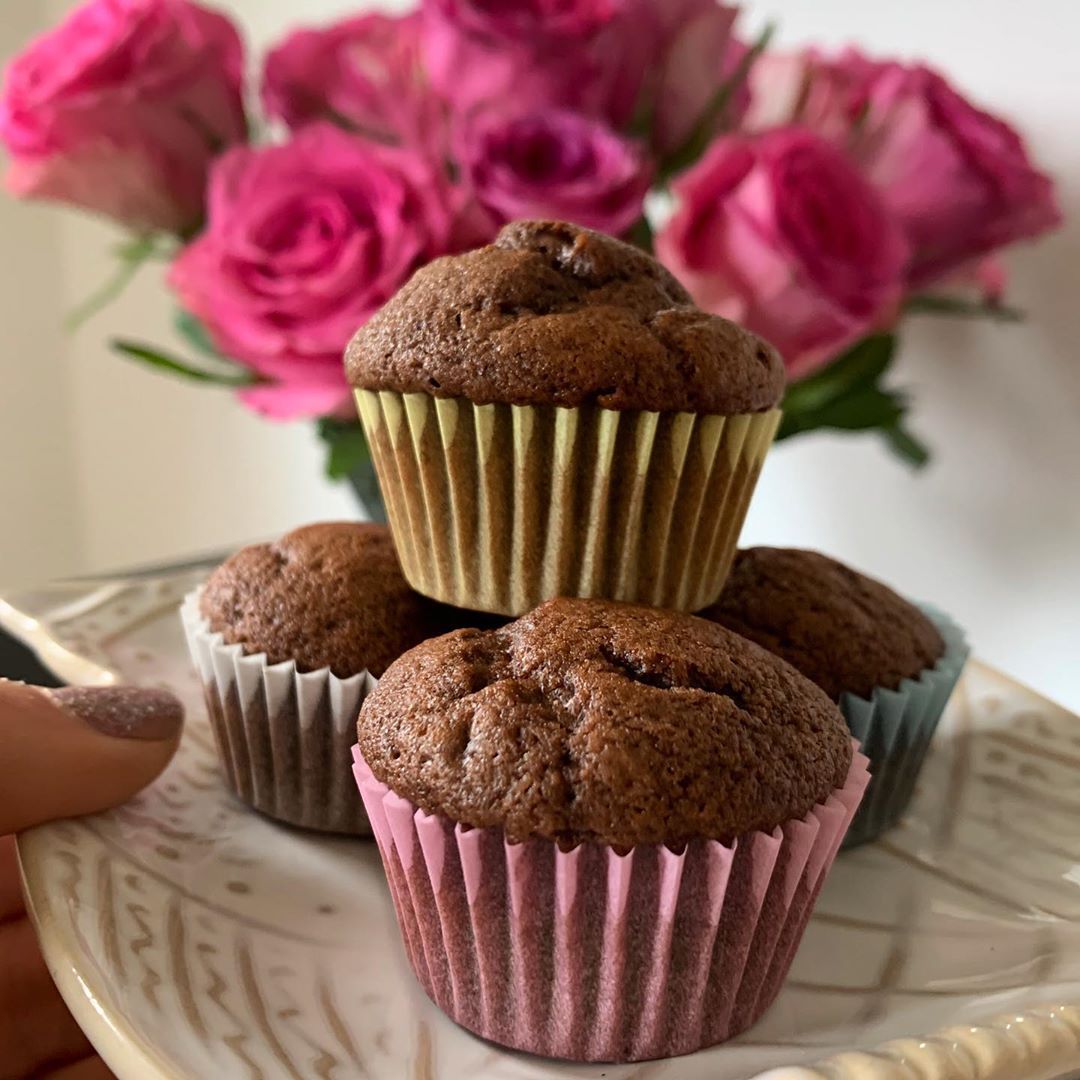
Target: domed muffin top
{"x":845,"y":631}
{"x":554,"y":314}
{"x":589,"y":720}
{"x":327,"y":595}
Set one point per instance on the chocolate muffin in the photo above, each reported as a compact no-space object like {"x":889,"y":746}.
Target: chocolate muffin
{"x":843,"y":630}
{"x":288,"y":638}
{"x":550,"y":415}
{"x":891,"y":666}
{"x":326,"y":595}
{"x":608,"y":822}
{"x":555,"y":314}
{"x":589,"y":721}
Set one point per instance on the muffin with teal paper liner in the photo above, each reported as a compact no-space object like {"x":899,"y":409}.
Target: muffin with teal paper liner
{"x":891,"y":665}
{"x":288,"y":638}
{"x":604,"y":826}
{"x":550,"y":415}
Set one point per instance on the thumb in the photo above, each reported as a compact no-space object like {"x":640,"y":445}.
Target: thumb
{"x":79,"y":749}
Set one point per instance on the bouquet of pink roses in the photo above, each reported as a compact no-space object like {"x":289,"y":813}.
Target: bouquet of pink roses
{"x":813,"y":198}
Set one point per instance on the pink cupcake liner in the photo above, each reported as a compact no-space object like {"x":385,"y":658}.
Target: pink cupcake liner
{"x":591,"y":955}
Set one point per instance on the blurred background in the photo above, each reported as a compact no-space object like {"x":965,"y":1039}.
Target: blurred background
{"x":107,"y":465}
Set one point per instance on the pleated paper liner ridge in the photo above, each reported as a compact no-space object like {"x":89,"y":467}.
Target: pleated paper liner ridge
{"x":895,"y":728}
{"x":500,"y":507}
{"x":284,"y":736}
{"x":590,"y":955}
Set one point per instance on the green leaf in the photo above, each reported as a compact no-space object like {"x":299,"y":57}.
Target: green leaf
{"x":132,"y":255}
{"x":155,"y":358}
{"x":195,"y":333}
{"x":859,"y":410}
{"x":706,"y":124}
{"x":905,"y":445}
{"x":346,"y":447}
{"x":847,"y":395}
{"x":641,"y":234}
{"x":962,"y":307}
{"x":861,"y":366}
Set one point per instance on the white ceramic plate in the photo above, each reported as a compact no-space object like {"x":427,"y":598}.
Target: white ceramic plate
{"x":192,"y":938}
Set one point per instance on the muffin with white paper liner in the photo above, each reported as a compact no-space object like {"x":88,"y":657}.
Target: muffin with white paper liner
{"x":288,"y":638}
{"x":604,"y":826}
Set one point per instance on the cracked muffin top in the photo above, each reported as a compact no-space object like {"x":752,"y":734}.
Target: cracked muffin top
{"x":593,"y":721}
{"x":327,"y":595}
{"x":843,"y":630}
{"x":554,"y":314}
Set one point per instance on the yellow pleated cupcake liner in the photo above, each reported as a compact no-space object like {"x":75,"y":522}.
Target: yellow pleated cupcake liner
{"x":499,"y":507}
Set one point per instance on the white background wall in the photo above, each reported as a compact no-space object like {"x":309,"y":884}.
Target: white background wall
{"x":105,"y":464}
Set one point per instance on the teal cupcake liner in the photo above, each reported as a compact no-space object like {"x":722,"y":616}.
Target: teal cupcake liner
{"x":894,"y":729}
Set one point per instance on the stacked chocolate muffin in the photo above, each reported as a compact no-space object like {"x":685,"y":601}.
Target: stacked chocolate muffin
{"x":551,"y":416}
{"x":604,"y":824}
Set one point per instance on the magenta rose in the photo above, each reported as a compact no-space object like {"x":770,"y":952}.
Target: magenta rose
{"x":122,"y":108}
{"x":555,"y":164}
{"x":302,"y":244}
{"x":480,"y":53}
{"x":365,"y":73}
{"x":959,"y":179}
{"x":526,"y":19}
{"x":780,"y":233}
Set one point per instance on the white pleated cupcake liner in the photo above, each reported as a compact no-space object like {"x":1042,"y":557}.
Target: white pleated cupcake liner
{"x":895,"y":728}
{"x":284,"y":736}
{"x":591,"y":955}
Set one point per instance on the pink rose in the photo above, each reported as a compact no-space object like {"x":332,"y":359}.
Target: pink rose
{"x":780,"y":233}
{"x":553,"y":164}
{"x":303,"y":243}
{"x":667,"y":58}
{"x":959,"y":179}
{"x":477,"y":56}
{"x":804,"y":87}
{"x":365,"y":73}
{"x":526,"y":19}
{"x":122,"y":108}
{"x":696,"y":54}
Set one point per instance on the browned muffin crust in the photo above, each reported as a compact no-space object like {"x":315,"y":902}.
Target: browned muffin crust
{"x":553,"y":314}
{"x":588,"y":720}
{"x":327,"y":595}
{"x":845,"y":631}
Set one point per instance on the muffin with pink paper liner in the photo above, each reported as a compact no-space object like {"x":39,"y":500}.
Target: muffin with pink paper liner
{"x":604,"y":826}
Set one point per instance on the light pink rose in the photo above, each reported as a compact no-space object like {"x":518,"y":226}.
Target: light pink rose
{"x":365,"y":73}
{"x":695,"y":54}
{"x":303,"y":243}
{"x":958,"y":178}
{"x":804,"y":87}
{"x":122,"y":108}
{"x":780,"y":233}
{"x":552,"y":163}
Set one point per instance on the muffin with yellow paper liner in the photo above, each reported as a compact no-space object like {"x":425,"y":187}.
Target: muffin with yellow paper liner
{"x":551,"y":416}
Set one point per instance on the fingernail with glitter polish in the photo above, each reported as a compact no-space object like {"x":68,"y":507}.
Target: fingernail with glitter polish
{"x":128,"y":712}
